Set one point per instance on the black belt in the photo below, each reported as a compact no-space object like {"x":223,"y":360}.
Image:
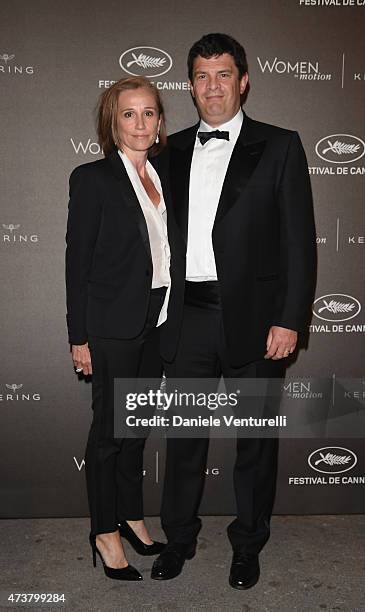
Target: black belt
{"x":204,"y":294}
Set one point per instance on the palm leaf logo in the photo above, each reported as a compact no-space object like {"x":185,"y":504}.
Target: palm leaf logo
{"x":335,"y":307}
{"x":341,"y":148}
{"x":146,"y":61}
{"x":331,"y":459}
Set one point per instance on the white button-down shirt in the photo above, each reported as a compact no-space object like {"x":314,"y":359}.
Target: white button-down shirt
{"x":156,"y":220}
{"x":208,"y":170}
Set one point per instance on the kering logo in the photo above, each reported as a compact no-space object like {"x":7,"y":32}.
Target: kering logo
{"x":304,"y":70}
{"x":10,"y":234}
{"x":340,"y":148}
{"x":335,"y":307}
{"x":9,"y":68}
{"x":6,"y":58}
{"x":14,"y":387}
{"x":11,"y":227}
{"x":328,"y":460}
{"x":16,"y":396}
{"x":145,"y":61}
{"x":86,"y":147}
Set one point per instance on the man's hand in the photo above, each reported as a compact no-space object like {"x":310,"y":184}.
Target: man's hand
{"x":81,"y":358}
{"x":280,"y":342}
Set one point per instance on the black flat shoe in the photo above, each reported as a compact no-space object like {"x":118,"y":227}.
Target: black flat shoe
{"x":140,"y":547}
{"x":123,"y":573}
{"x":171,"y":561}
{"x":245,"y":571}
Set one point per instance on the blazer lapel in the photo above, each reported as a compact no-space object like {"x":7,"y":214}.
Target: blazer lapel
{"x":159,"y":162}
{"x":245,"y":157}
{"x":129,"y":197}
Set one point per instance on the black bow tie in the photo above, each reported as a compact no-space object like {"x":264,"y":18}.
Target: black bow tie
{"x":205,"y":136}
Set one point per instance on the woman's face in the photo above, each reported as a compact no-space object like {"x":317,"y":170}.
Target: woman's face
{"x":137,"y":120}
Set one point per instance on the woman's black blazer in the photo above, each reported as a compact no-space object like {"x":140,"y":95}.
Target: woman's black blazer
{"x":108,"y":258}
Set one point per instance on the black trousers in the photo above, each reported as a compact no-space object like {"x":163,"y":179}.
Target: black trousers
{"x":114,"y":466}
{"x":202,"y":353}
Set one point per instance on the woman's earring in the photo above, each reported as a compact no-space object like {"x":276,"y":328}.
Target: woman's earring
{"x":157,"y":138}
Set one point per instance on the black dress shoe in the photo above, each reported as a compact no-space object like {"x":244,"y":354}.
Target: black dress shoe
{"x":245,"y":571}
{"x":171,"y":561}
{"x":140,"y":547}
{"x":123,"y":573}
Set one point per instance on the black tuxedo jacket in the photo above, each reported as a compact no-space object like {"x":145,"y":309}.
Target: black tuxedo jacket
{"x":263,"y":237}
{"x":108,"y":256}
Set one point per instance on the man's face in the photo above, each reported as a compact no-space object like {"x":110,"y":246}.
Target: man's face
{"x":217,"y":88}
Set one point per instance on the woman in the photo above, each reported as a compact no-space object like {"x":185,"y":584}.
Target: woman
{"x":118,"y":284}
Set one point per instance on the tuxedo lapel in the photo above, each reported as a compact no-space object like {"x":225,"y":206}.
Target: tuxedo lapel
{"x":128,"y":196}
{"x":180,"y":164}
{"x":244,"y":159}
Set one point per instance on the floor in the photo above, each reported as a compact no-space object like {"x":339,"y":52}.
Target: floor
{"x":310,"y":563}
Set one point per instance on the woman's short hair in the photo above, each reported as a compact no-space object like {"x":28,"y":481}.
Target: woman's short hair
{"x":108,"y":108}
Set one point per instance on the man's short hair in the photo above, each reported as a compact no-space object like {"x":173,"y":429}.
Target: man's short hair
{"x":211,"y":45}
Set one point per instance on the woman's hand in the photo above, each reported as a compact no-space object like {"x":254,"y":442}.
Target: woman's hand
{"x":82,"y":358}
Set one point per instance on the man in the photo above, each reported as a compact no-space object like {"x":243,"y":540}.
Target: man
{"x":242,"y":200}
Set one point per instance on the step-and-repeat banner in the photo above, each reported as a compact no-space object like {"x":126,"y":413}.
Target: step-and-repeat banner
{"x":307,"y":72}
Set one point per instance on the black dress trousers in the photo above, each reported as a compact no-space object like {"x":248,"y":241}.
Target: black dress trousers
{"x":202,"y":353}
{"x":113,"y":465}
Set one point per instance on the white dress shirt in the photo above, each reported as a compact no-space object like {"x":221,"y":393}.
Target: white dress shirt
{"x":156,"y":220}
{"x":208,"y":169}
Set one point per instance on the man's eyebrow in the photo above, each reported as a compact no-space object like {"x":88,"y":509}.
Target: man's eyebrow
{"x":221,"y":70}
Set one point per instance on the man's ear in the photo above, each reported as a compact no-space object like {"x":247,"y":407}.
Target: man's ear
{"x":243,"y":83}
{"x":191,"y":88}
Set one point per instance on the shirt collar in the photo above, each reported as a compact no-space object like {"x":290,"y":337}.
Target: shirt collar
{"x":129,"y":165}
{"x":133,"y":174}
{"x":233,"y":126}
